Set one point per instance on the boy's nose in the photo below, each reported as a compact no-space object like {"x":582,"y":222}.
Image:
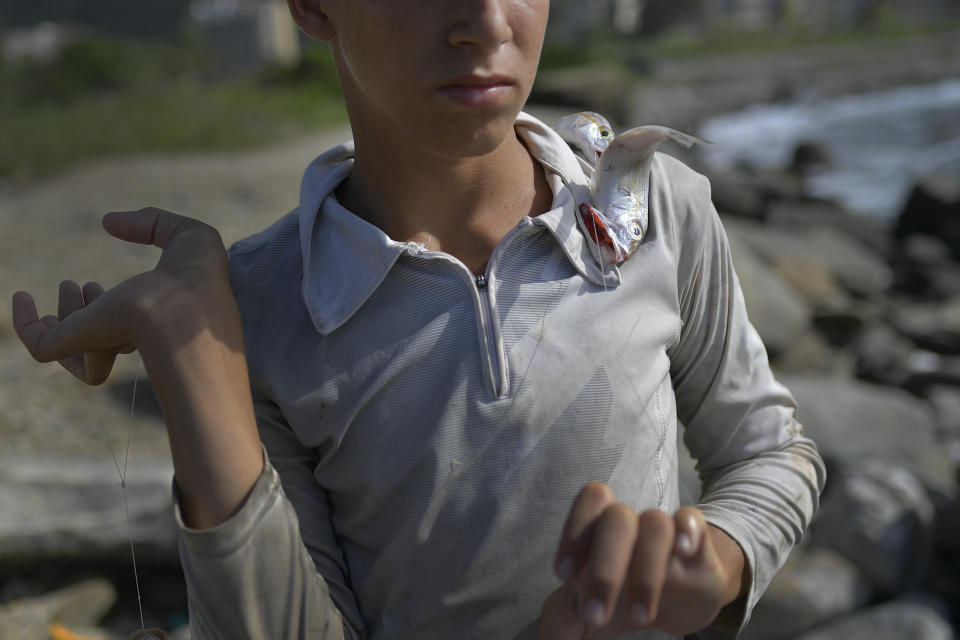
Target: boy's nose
{"x":484,"y":24}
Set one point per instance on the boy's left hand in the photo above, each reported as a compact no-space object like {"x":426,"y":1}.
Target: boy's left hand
{"x":624,"y":572}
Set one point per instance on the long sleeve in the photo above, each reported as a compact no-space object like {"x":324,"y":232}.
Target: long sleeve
{"x":761,"y":478}
{"x":254,"y":576}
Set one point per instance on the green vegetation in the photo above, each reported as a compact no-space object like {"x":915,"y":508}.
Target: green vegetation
{"x":101,"y":97}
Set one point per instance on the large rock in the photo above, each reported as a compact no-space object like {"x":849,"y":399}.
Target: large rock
{"x":924,"y":268}
{"x":734,"y":194}
{"x":878,"y":514}
{"x":855,"y":267}
{"x":898,"y":620}
{"x":885,"y":357}
{"x":857,"y":420}
{"x":777,"y":312}
{"x":74,"y":508}
{"x":933,"y":208}
{"x":813,"y":586}
{"x":945,"y":400}
{"x":804,"y":214}
{"x":812,"y":280}
{"x":748,"y":192}
{"x":810,"y":353}
{"x":932,"y":326}
{"x":79,"y":606}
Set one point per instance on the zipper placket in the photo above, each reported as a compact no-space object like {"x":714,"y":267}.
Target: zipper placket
{"x":492,"y":357}
{"x":492,"y":352}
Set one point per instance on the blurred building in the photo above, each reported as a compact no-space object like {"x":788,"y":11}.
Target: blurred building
{"x":761,"y":14}
{"x":244,"y":35}
{"x":571,"y":20}
{"x":41,"y":41}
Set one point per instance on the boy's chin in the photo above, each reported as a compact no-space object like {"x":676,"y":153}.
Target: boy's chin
{"x":474,"y":136}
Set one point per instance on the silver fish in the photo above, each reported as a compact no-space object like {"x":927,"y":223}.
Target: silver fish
{"x":617,"y":218}
{"x":587,"y":132}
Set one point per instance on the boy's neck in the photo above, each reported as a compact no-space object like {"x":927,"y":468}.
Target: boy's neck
{"x":462,"y":206}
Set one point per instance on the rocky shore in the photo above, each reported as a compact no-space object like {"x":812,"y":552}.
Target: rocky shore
{"x":861,"y":319}
{"x":682,"y":93}
{"x":862,"y":323}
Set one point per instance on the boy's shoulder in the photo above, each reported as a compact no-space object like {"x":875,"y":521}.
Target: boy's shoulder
{"x":677,"y":179}
{"x":275,"y":249}
{"x":681,"y":198}
{"x":282,"y":239}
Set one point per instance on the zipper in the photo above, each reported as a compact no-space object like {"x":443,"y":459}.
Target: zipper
{"x":492,"y":350}
{"x":492,"y":358}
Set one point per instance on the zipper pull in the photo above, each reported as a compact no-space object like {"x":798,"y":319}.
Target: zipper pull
{"x":481,"y":282}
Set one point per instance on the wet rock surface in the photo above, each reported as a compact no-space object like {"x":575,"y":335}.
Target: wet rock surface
{"x":889,"y":621}
{"x":815,"y":584}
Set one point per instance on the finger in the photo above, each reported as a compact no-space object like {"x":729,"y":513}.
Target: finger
{"x":148,"y":634}
{"x":648,"y":568}
{"x":92,"y":291}
{"x":691,"y":529}
{"x":70,"y":299}
{"x":559,"y":619}
{"x":575,"y":540}
{"x":97,"y":364}
{"x":73,"y":362}
{"x":610,"y":553}
{"x":146,"y":226}
{"x":96,"y":326}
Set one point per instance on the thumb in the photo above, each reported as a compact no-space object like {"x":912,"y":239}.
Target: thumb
{"x":148,"y":634}
{"x":147,"y":226}
{"x":560,"y":618}
{"x":691,"y":533}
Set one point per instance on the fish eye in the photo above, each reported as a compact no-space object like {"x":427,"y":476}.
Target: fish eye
{"x":636,"y":231}
{"x":604,"y":133}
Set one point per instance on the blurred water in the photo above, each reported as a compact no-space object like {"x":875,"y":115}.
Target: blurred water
{"x":879,"y":143}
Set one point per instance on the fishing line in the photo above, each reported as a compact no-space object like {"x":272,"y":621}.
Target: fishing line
{"x":123,"y":478}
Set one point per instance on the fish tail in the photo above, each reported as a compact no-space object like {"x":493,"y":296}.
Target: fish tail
{"x":685,"y":139}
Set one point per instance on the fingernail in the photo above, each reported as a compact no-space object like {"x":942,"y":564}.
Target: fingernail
{"x":638,"y":613}
{"x":684,"y":543}
{"x":594,"y":613}
{"x":565,"y":568}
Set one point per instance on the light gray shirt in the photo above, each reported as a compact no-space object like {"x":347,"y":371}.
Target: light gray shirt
{"x":427,"y":431}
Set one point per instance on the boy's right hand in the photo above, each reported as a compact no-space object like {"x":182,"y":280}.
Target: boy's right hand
{"x":187,"y":292}
{"x":184,"y":320}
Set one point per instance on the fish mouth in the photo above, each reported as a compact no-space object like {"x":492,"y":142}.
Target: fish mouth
{"x":598,"y":228}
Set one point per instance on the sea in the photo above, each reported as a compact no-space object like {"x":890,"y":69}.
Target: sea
{"x":878,"y":144}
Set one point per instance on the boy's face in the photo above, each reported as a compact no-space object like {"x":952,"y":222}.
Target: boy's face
{"x":448,"y":75}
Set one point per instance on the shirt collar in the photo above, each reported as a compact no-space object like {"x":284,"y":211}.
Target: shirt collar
{"x":345,"y":258}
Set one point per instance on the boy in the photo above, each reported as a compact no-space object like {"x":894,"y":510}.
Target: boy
{"x":445,"y":379}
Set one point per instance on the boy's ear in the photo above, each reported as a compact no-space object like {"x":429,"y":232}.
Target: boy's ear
{"x":312,"y":18}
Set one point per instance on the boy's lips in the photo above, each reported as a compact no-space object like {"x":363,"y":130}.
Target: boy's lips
{"x":477,"y":90}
